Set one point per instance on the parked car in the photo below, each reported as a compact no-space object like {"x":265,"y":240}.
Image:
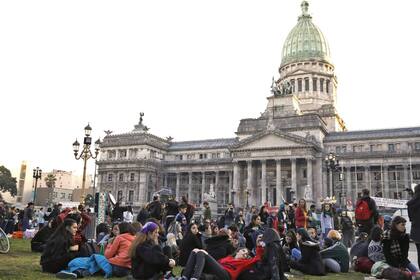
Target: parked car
{"x":403,"y":213}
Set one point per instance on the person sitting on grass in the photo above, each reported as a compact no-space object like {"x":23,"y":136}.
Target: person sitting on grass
{"x":228,"y":268}
{"x":191,"y":240}
{"x":147,"y":258}
{"x":336,"y":257}
{"x":375,"y":249}
{"x":117,"y":251}
{"x":60,"y":248}
{"x":40,"y":239}
{"x":311,"y":261}
{"x":396,"y":243}
{"x":290,"y":246}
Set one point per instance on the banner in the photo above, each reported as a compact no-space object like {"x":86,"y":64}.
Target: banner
{"x":390,"y":203}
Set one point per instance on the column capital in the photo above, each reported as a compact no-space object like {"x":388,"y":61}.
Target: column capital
{"x":249,"y":161}
{"x":263,"y":161}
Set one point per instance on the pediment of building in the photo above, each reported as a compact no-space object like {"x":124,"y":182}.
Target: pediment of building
{"x":274,"y":140}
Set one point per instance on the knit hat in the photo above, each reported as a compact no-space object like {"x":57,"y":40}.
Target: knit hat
{"x":398,"y":220}
{"x":149,"y":227}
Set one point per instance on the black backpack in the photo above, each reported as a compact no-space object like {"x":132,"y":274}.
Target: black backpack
{"x":346,"y":223}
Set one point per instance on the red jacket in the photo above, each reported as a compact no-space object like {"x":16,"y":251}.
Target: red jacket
{"x":117,"y":251}
{"x":301,"y":218}
{"x":235,"y":266}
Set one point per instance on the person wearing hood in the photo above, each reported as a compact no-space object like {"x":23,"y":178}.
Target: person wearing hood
{"x":117,"y":252}
{"x":396,"y":243}
{"x":220,"y":246}
{"x":336,"y":257}
{"x":413,"y":207}
{"x":191,"y":241}
{"x":274,"y":260}
{"x":311,"y":261}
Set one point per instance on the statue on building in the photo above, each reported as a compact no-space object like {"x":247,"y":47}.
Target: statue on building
{"x":285,"y":88}
{"x":274,"y":88}
{"x":141,"y":118}
{"x":108,"y":132}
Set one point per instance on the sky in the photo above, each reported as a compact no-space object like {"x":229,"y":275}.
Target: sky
{"x":195,"y":68}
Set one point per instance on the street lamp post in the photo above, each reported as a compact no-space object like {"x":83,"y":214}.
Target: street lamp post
{"x":36,"y":175}
{"x":85,"y":154}
{"x":332,"y":163}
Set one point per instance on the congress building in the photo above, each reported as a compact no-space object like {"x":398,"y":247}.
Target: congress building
{"x":298,"y":148}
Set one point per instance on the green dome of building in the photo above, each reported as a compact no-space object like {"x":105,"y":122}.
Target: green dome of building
{"x":305,"y":41}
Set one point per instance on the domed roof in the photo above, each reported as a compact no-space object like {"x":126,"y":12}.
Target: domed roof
{"x":305,"y":41}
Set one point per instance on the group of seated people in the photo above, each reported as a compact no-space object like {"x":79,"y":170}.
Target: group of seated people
{"x":147,"y":252}
{"x":384,"y":253}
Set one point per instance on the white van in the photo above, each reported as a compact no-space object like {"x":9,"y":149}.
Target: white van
{"x":403,"y":213}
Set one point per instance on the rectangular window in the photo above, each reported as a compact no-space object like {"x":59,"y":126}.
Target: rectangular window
{"x":121,"y":177}
{"x":70,"y":196}
{"x":179,"y":157}
{"x":314,"y":84}
{"x":396,"y":175}
{"x":372,"y":148}
{"x":130,"y":195}
{"x":397,"y":195}
{"x":359,"y":176}
{"x":321,"y":85}
{"x":299,"y":85}
{"x":119,"y":196}
{"x":62,"y":196}
{"x":203,"y":156}
{"x":327,"y":86}
{"x":377,"y":176}
{"x":292,"y":82}
{"x":344,"y":149}
{"x":417,"y":146}
{"x":131,"y":177}
{"x":122,"y":153}
{"x":110,"y":177}
{"x":391,"y":148}
{"x":306,"y":84}
{"x":416,"y":175}
{"x":304,"y":175}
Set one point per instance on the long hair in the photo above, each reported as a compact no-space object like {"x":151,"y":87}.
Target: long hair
{"x":102,"y":227}
{"x":253,"y":219}
{"x":291,"y":234}
{"x":126,"y":228}
{"x":376,"y":233}
{"x":138,"y":241}
{"x":304,"y":205}
{"x":304,"y":234}
{"x":61,"y":239}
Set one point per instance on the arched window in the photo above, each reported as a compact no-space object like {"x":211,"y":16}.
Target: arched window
{"x":327,"y":86}
{"x":306,"y":84}
{"x":321,"y":85}
{"x":292,"y":82}
{"x":314,"y":84}
{"x":299,"y":85}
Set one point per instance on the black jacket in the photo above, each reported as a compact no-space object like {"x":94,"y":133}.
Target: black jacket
{"x":274,"y":259}
{"x":219,"y":246}
{"x":311,"y":261}
{"x":155,"y":209}
{"x":413,"y":207}
{"x":149,"y":261}
{"x":40,"y":239}
{"x":189,"y":243}
{"x":392,"y":258}
{"x":142,"y":216}
{"x":56,"y":256}
{"x":249,"y":234}
{"x":172,"y":208}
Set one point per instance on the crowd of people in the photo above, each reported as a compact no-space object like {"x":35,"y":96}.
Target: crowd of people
{"x":255,"y":243}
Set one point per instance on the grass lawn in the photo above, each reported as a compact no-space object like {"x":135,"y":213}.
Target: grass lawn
{"x":21,"y":263}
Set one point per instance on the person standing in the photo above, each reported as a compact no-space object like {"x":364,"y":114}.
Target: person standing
{"x":27,"y":216}
{"x":206,"y":212}
{"x":366,"y":213}
{"x":249,"y":215}
{"x":327,"y":219}
{"x":40,"y":218}
{"x":128,"y":215}
{"x":155,"y":208}
{"x":190,"y":209}
{"x":413,"y":207}
{"x":301,"y":215}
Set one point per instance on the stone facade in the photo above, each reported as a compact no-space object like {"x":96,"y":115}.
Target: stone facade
{"x":276,"y":157}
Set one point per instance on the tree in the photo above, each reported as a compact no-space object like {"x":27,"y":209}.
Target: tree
{"x":7,"y":182}
{"x":50,"y":180}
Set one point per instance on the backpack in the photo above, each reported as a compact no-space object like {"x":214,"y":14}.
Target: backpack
{"x":346,"y":223}
{"x":362,"y":210}
{"x":363,"y":264}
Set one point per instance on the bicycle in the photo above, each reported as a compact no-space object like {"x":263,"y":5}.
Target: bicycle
{"x":4,"y":242}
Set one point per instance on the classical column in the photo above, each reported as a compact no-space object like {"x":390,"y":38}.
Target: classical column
{"x":216,"y":185}
{"x":236,"y":180}
{"x":230,"y":188}
{"x":406,"y":177}
{"x":309,"y":178}
{"x":385,"y":188}
{"x":178,"y":175}
{"x":165,"y":180}
{"x":294,"y":183}
{"x":203,"y":185}
{"x":279,"y":192}
{"x":317,"y":180}
{"x":190,"y":186}
{"x":249,"y":189}
{"x":348,"y":180}
{"x":263,"y":182}
{"x":367,"y":179}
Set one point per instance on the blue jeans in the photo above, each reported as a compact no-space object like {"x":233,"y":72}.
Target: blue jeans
{"x":119,"y":271}
{"x":412,"y":267}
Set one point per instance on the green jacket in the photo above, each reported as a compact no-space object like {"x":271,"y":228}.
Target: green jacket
{"x":207,"y":213}
{"x":339,"y":253}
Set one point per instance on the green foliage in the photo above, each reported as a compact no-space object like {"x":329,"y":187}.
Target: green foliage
{"x":7,"y":182}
